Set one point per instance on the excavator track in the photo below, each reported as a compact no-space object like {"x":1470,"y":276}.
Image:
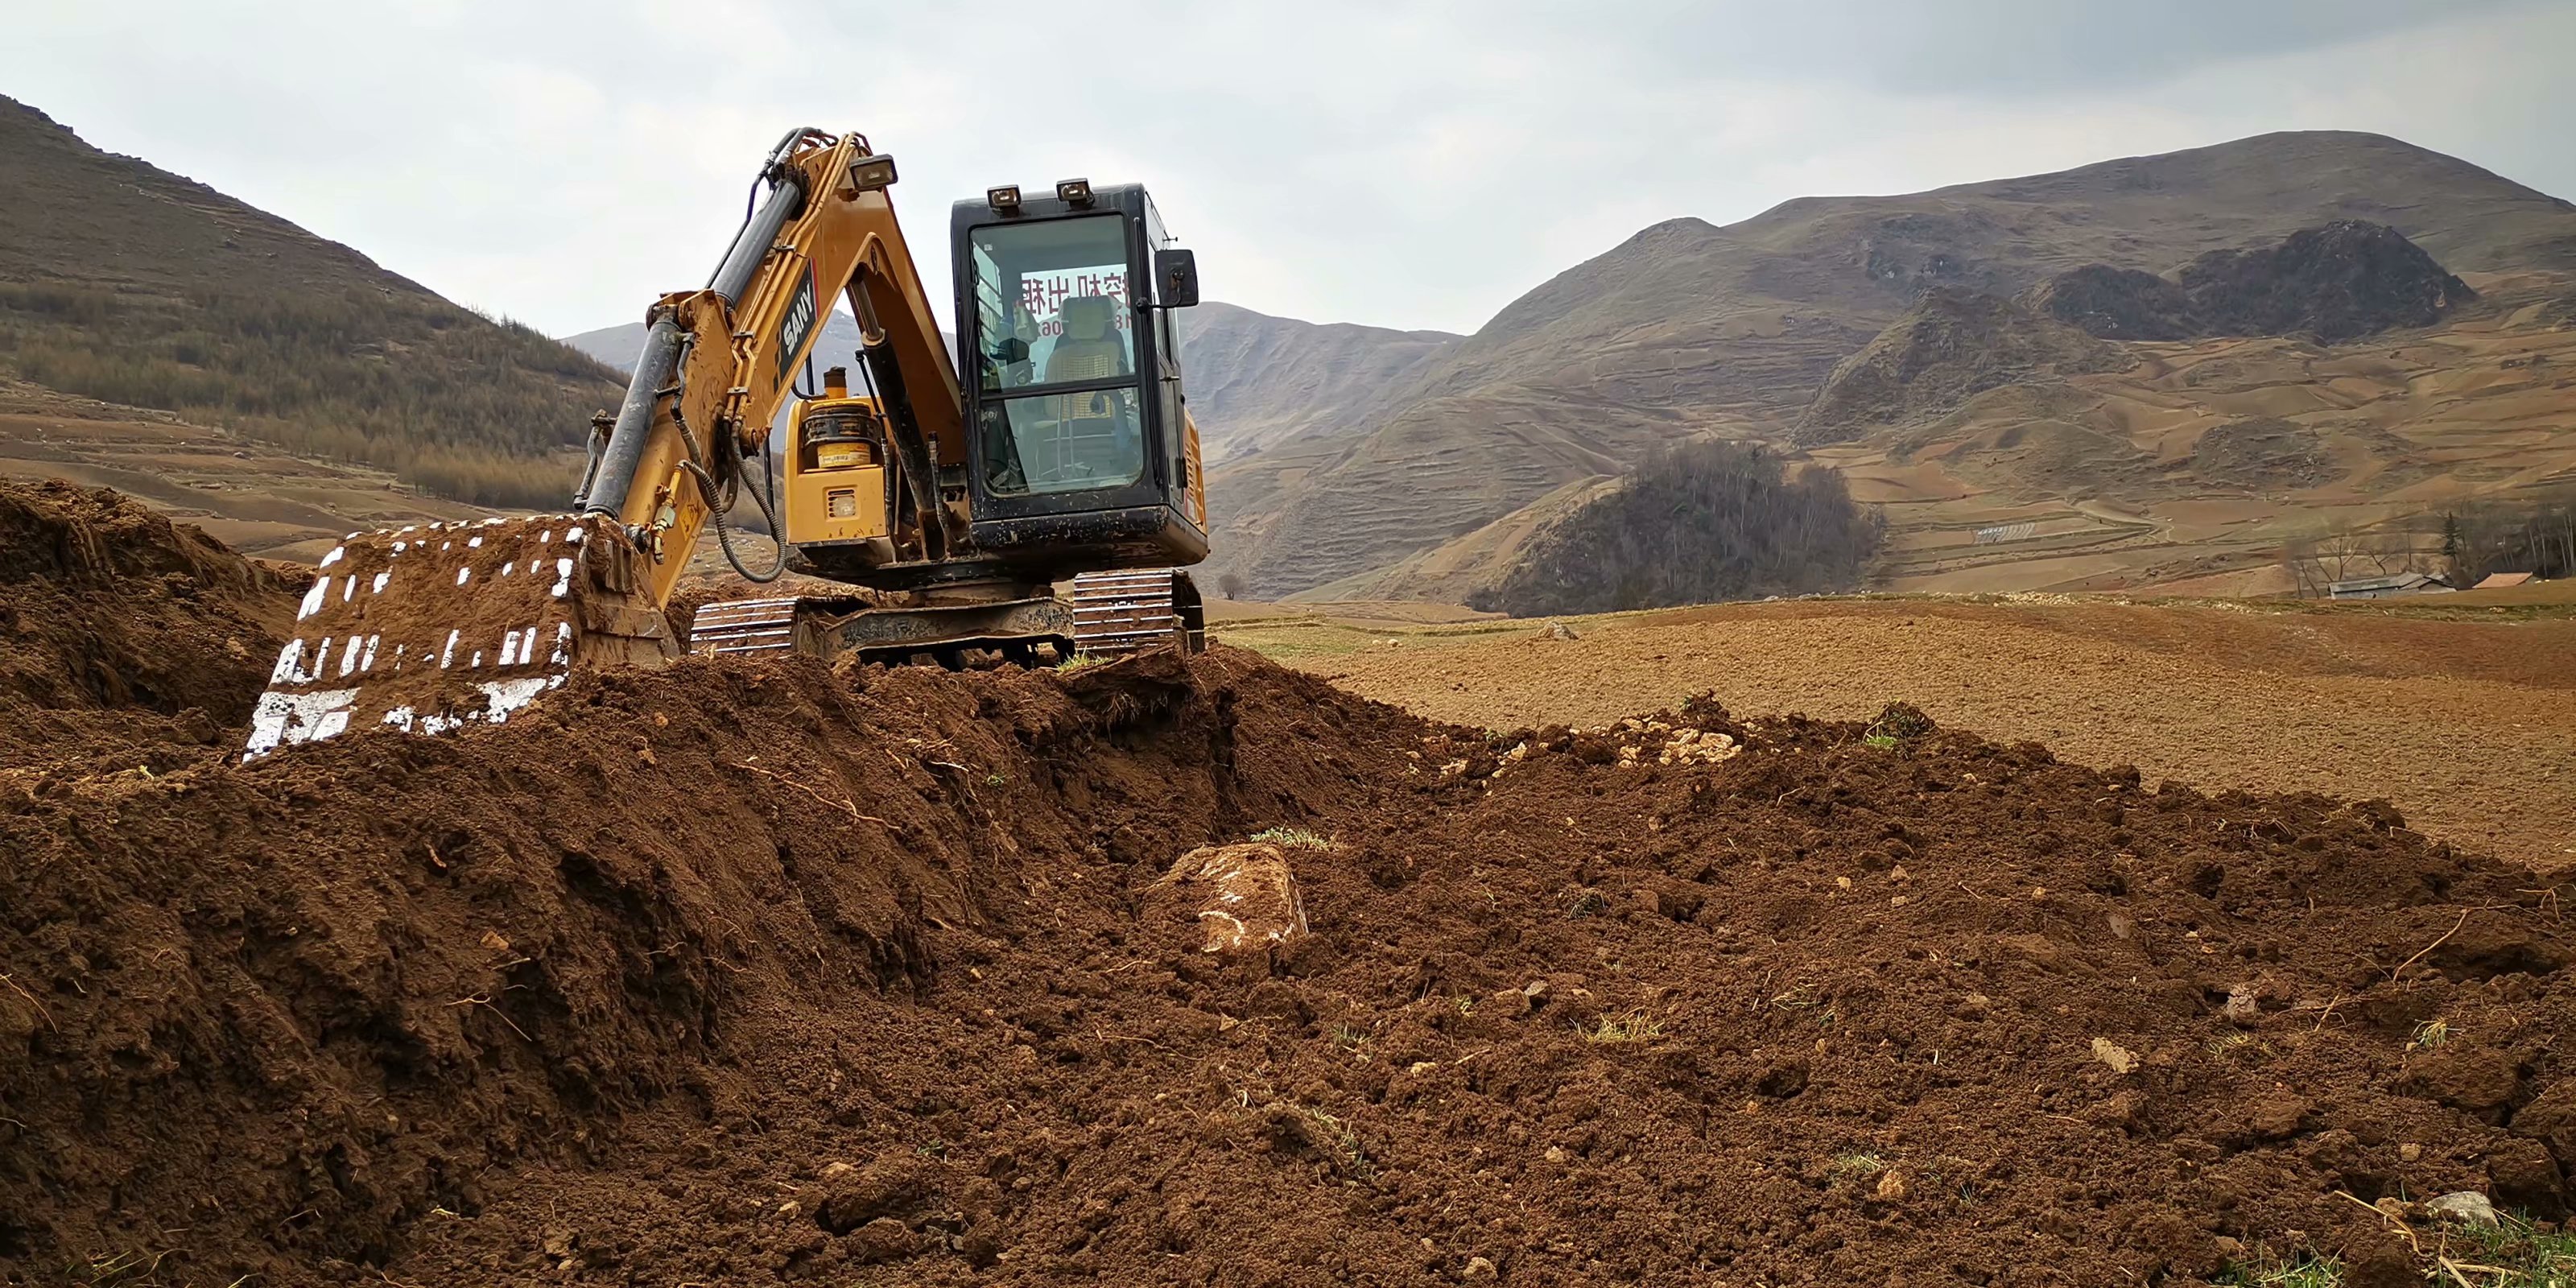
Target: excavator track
{"x":1131,"y":611}
{"x":1106,"y":615}
{"x":741,"y":626}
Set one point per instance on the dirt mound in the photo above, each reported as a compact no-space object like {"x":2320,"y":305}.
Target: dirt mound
{"x":2335,"y":282}
{"x":123,"y":635}
{"x":748,"y":972}
{"x":1951,"y":346}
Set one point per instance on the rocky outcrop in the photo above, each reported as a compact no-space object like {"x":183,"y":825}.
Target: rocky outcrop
{"x":2118,"y":303}
{"x":2339,"y":281}
{"x":1951,"y":346}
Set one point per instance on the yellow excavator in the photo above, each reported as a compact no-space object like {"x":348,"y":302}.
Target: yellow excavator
{"x":952,"y":508}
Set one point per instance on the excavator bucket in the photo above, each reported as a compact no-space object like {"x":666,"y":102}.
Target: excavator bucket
{"x":430,"y":627}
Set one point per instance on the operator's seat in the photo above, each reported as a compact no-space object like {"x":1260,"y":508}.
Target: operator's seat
{"x":1093,"y":437}
{"x":1090,"y":348}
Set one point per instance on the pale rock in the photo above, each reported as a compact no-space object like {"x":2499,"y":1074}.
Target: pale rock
{"x":2464,"y":1205}
{"x":1244,"y":896}
{"x":2119,"y":1058}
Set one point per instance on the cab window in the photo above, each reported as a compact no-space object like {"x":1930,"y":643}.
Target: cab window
{"x":1051,"y":303}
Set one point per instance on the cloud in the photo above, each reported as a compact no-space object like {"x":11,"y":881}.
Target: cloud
{"x":1399,"y":164}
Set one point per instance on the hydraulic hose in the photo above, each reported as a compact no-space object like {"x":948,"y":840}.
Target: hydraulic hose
{"x":654,"y":369}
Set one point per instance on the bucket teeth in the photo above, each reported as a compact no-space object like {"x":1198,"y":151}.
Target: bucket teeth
{"x":434,"y":626}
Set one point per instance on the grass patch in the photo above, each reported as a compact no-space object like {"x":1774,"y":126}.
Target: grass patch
{"x":2517,"y":1254}
{"x":1798,"y":998}
{"x":1858,"y":1165}
{"x":2432,"y":1033}
{"x":2226,"y":1044}
{"x":1079,"y":661}
{"x":1334,"y":1138}
{"x":2306,"y":1272}
{"x":1879,"y":741}
{"x":1635,"y":1026}
{"x":2511,"y":1254}
{"x":1291,"y":838}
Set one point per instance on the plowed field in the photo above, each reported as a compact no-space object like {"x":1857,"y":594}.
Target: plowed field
{"x":2464,"y":716}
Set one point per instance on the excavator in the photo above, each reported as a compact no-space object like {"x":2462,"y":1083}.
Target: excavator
{"x":940,"y":505}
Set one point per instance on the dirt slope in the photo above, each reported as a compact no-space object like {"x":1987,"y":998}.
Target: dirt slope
{"x":126,"y":640}
{"x":1692,"y":328}
{"x":752,"y":973}
{"x":254,"y":497}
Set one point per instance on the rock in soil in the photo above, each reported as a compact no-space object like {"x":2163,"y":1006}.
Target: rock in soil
{"x":1240,"y":898}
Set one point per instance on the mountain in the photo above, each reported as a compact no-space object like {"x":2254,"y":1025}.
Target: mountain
{"x":617,"y":346}
{"x":123,"y":282}
{"x":1691,"y":329}
{"x":1256,"y":381}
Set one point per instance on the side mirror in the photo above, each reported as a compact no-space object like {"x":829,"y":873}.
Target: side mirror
{"x":1011,"y":349}
{"x":1176,"y":279}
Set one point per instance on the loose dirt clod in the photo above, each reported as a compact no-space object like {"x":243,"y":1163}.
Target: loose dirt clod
{"x":522,"y":1004}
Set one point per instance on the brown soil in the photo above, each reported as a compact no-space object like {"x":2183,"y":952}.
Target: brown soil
{"x":125,"y":640}
{"x":2468,"y":725}
{"x":754,"y":972}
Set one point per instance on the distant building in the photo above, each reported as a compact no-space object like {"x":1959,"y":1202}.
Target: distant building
{"x":2500,"y":580}
{"x":2404,"y":583}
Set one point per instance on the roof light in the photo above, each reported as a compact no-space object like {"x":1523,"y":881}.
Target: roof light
{"x":1074,"y":192}
{"x":1005,"y":199}
{"x":872,"y":173}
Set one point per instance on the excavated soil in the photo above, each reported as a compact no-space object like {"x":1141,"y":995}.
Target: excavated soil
{"x":126,"y":641}
{"x":741,"y":973}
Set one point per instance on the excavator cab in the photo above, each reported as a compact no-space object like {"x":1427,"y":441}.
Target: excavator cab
{"x":1083,"y":454}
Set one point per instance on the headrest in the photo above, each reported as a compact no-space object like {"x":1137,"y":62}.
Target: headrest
{"x":1089,"y":317}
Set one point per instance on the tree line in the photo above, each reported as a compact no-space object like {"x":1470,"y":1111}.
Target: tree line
{"x":1696,"y":523}
{"x":2465,"y":545}
{"x":481,"y":410}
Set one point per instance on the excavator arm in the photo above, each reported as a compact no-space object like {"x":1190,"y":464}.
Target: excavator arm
{"x":718,"y":362}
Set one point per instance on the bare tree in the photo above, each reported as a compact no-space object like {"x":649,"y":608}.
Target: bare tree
{"x":2307,"y":570}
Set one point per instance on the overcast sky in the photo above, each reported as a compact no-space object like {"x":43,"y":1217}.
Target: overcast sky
{"x":1380,"y":161}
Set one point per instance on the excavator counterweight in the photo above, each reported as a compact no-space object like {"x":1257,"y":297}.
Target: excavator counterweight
{"x":952,"y":508}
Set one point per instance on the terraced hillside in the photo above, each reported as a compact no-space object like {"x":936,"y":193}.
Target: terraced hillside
{"x":1690,"y":328}
{"x":121,"y":281}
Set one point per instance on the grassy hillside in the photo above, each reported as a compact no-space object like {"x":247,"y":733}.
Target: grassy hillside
{"x":1691,"y":329}
{"x":122,"y":282}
